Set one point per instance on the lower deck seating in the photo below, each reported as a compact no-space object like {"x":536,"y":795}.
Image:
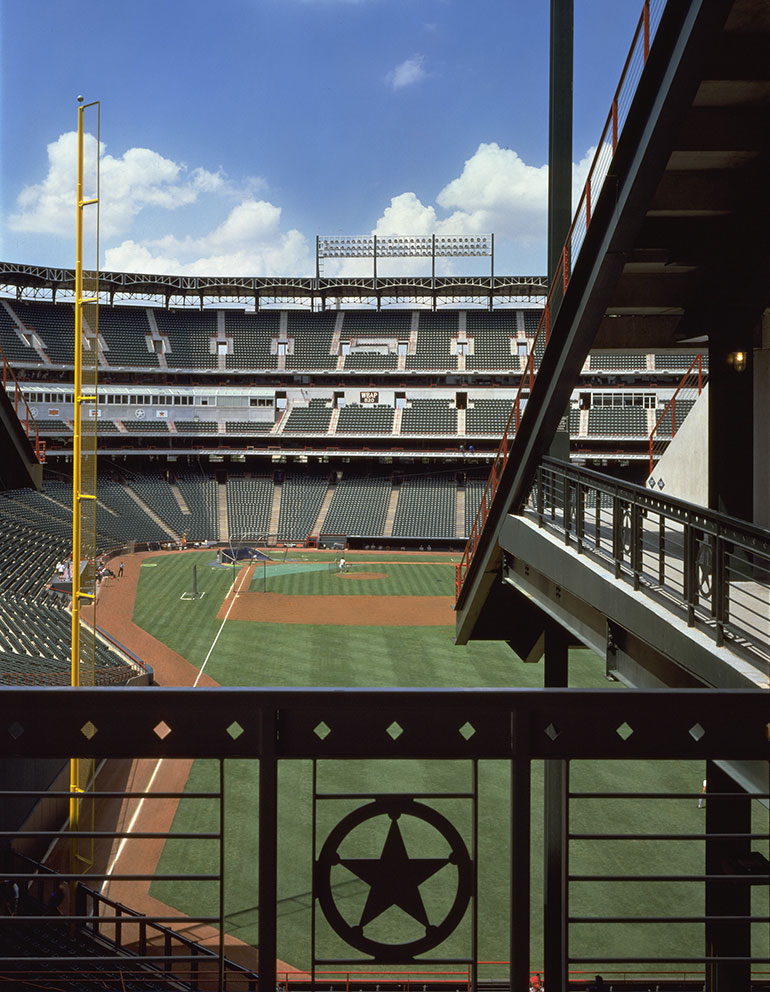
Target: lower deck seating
{"x":301,"y":498}
{"x":358,"y":506}
{"x":249,"y":503}
{"x":426,"y":507}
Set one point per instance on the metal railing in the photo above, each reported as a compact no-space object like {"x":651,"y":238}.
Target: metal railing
{"x":324,"y":727}
{"x":597,"y":173}
{"x":127,"y":934}
{"x":690,"y":385}
{"x":711,"y":569}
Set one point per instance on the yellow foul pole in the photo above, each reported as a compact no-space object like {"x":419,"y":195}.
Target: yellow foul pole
{"x":83,"y":470}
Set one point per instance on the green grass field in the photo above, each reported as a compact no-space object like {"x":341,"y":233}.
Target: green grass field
{"x":249,"y":654}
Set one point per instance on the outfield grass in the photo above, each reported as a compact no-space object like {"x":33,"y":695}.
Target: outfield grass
{"x":276,"y":655}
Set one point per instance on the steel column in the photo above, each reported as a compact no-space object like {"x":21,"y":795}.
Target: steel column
{"x":520,"y":862}
{"x":555,"y":828}
{"x":727,"y":814}
{"x":268,"y":851}
{"x":560,"y":130}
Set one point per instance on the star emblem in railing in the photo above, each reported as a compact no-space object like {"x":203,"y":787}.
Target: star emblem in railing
{"x":394,"y":879}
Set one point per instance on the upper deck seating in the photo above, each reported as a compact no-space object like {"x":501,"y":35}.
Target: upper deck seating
{"x":618,"y":362}
{"x":54,"y":324}
{"x":189,"y":334}
{"x":492,"y":333}
{"x":487,"y":416}
{"x":14,"y":348}
{"x":312,"y":334}
{"x":196,"y":426}
{"x":249,"y":426}
{"x":435,"y":332}
{"x":124,"y":332}
{"x":429,"y":416}
{"x":252,"y":335}
{"x":356,"y":418}
{"x":311,"y":419}
{"x":618,"y":421}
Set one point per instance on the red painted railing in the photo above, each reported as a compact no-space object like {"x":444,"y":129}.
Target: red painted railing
{"x":629,"y":77}
{"x":25,"y":416}
{"x":690,"y":385}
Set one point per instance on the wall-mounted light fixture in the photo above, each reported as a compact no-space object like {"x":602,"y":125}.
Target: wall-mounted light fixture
{"x":738,"y":360}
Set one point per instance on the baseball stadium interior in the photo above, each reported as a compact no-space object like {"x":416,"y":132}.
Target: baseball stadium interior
{"x":594,"y":448}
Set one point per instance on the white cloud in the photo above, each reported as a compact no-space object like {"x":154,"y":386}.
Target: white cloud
{"x":248,"y":242}
{"x":139,"y":178}
{"x":495,"y":192}
{"x":407,"y":73}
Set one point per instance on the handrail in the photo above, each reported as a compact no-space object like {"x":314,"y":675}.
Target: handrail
{"x":711,"y":569}
{"x":29,"y":423}
{"x":121,"y":915}
{"x":635,"y":61}
{"x":684,"y":384}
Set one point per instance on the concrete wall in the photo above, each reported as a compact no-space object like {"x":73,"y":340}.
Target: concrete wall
{"x":683,"y":469}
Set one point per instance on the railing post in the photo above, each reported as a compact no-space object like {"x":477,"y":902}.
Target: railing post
{"x":720,"y":588}
{"x":598,"y":508}
{"x":636,"y":543}
{"x":539,"y":495}
{"x":588,"y":202}
{"x":194,"y":968}
{"x":617,"y":533}
{"x":552,"y":493}
{"x":579,"y":514}
{"x":661,"y":550}
{"x":690,"y":566}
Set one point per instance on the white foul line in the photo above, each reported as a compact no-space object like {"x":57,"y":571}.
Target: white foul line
{"x":156,"y":769}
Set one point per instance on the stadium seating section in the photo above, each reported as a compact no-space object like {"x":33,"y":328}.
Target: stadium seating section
{"x":411,"y":352}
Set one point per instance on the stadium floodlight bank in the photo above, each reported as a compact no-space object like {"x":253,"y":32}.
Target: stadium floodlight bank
{"x":431,"y":246}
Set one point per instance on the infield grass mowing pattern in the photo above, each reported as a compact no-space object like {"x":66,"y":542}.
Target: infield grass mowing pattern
{"x":273,"y":655}
{"x":393,"y":579}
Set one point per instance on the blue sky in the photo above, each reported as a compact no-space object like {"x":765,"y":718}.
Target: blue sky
{"x":235,"y":132}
